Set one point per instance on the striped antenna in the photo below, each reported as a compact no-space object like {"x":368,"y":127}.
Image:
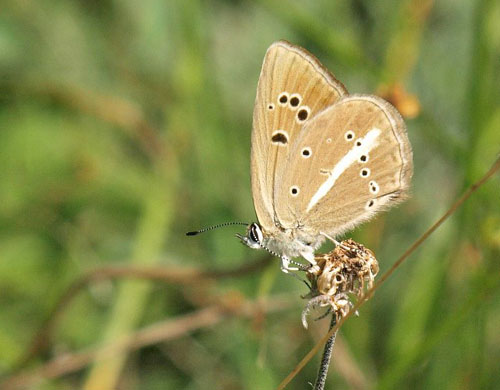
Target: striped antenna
{"x":300,"y":266}
{"x":196,"y":232}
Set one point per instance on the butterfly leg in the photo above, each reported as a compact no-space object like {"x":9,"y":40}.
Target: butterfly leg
{"x":285,"y":265}
{"x":328,"y":311}
{"x":309,"y":256}
{"x":336,"y":242}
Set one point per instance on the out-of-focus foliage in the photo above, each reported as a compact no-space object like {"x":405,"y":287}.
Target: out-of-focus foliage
{"x":124,"y":124}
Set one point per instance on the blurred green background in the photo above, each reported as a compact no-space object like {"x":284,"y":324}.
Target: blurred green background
{"x":124,"y":124}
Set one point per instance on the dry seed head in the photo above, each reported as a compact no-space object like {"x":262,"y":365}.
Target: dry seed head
{"x":347,"y":269}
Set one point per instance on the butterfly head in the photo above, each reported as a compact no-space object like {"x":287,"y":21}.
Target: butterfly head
{"x":287,"y":243}
{"x":253,"y":237}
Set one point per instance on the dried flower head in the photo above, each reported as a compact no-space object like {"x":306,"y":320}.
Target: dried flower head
{"x":346,"y":270}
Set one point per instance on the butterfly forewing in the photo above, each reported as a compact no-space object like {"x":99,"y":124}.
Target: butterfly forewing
{"x":293,"y":88}
{"x":347,"y":163}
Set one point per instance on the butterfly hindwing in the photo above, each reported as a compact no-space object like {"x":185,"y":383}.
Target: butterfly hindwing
{"x":350,"y":161}
{"x":293,"y":88}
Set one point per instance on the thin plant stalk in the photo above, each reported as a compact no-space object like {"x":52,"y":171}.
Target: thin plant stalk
{"x":325,"y":359}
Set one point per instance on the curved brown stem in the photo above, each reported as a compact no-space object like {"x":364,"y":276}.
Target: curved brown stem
{"x":162,"y":331}
{"x":41,"y":340}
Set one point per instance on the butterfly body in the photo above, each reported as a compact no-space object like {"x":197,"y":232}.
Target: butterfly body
{"x":322,"y":161}
{"x":292,"y":242}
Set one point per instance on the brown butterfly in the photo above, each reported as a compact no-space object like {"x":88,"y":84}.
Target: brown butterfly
{"x":322,"y":161}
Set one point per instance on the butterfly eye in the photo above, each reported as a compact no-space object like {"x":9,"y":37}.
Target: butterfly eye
{"x":255,"y":233}
{"x":349,"y":135}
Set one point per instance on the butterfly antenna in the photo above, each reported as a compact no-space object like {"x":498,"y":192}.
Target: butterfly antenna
{"x":196,"y":232}
{"x":269,"y":250}
{"x":301,"y":266}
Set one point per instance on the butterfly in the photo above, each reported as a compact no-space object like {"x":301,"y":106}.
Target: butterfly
{"x":322,"y":161}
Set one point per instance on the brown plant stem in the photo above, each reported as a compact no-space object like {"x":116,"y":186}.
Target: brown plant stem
{"x":158,"y":332}
{"x":41,"y":340}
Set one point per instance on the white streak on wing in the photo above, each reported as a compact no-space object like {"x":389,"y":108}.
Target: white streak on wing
{"x":367,"y":143}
